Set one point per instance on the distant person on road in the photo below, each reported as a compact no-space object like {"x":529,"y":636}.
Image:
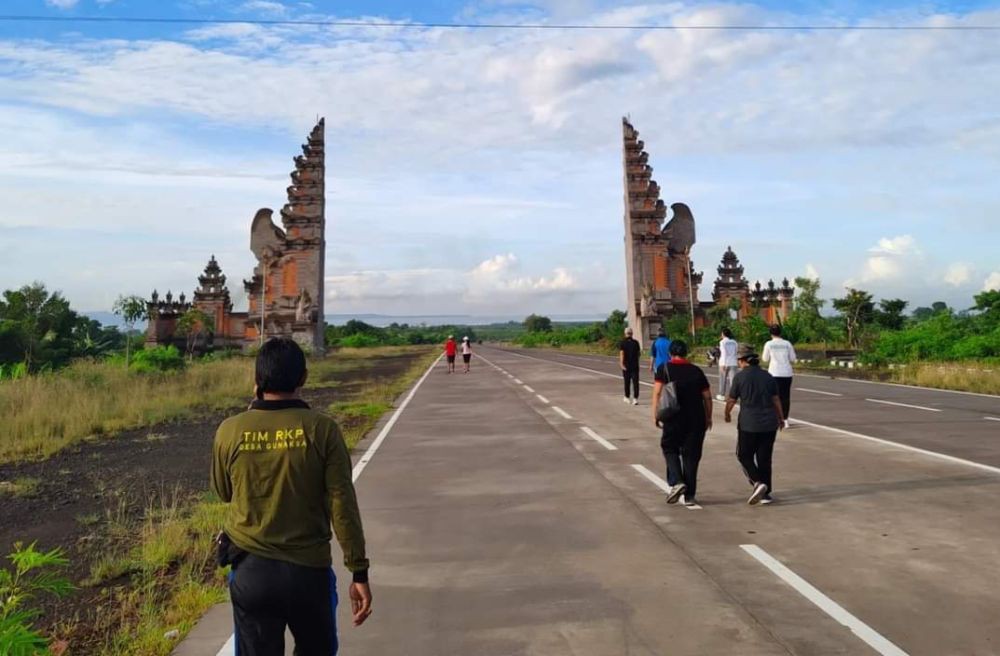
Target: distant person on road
{"x":466,"y":353}
{"x":450,"y":350}
{"x":629,"y":351}
{"x":760,"y":420}
{"x":285,"y":472}
{"x":659,"y":352}
{"x":727,"y":362}
{"x":780,"y":354}
{"x":683,"y":434}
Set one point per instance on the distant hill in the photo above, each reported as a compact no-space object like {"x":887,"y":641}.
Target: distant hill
{"x":382,"y":320}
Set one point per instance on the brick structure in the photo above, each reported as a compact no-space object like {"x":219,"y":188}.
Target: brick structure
{"x":660,"y":277}
{"x":286,"y":291}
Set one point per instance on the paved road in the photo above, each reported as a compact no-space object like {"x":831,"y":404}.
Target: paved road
{"x":518,"y":510}
{"x":954,"y":423}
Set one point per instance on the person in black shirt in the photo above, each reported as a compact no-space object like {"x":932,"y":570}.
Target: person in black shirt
{"x":761,"y":417}
{"x":628,"y":357}
{"x":684,"y":433}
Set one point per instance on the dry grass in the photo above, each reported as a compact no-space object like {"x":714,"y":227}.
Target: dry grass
{"x":42,"y":414}
{"x":964,"y":376}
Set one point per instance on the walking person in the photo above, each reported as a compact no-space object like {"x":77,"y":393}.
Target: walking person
{"x":285,"y":473}
{"x":628,"y":357}
{"x":659,"y":352}
{"x":466,"y":353}
{"x":760,"y":420}
{"x":780,"y":354}
{"x":727,"y":362}
{"x":450,"y":350}
{"x":683,"y":434}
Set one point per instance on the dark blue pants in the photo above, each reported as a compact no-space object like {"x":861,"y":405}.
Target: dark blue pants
{"x":269,"y":595}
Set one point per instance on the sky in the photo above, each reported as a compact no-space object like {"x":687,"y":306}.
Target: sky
{"x":478,"y":171}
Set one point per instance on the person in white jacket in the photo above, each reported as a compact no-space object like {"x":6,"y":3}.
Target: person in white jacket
{"x":727,"y":363}
{"x":780,"y":354}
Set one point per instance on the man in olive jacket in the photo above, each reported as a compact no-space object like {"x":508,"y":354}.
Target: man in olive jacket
{"x":285,"y":472}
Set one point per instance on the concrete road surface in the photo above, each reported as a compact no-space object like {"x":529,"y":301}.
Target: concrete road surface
{"x":519,"y":510}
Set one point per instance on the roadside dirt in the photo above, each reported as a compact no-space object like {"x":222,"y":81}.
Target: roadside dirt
{"x":79,"y":487}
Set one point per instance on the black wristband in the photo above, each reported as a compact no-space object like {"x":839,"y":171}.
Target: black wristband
{"x":360,"y":576}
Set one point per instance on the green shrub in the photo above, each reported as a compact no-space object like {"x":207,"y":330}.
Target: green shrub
{"x":159,"y":358}
{"x":359,"y":340}
{"x":33,"y":572}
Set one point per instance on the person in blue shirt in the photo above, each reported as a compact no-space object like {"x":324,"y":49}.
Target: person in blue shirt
{"x":660,"y":350}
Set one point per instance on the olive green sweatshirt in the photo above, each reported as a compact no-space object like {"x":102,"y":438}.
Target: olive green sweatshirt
{"x":285,"y":471}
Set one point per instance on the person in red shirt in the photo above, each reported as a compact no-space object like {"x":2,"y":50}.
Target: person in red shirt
{"x":450,"y":350}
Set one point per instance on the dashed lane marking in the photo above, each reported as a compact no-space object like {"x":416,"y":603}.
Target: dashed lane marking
{"x":870,"y":636}
{"x":904,"y":405}
{"x":529,"y":389}
{"x":573,"y":366}
{"x":806,"y":389}
{"x":542,"y":398}
{"x":992,"y":418}
{"x":597,"y":438}
{"x":562,"y":412}
{"x":519,"y":381}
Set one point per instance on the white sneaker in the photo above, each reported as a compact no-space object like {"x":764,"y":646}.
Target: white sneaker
{"x":759,"y":491}
{"x":625,"y":399}
{"x":766,"y":500}
{"x":719,"y":397}
{"x":635,"y":401}
{"x":675,"y":492}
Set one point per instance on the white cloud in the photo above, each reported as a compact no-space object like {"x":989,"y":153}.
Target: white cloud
{"x":992,"y":281}
{"x":812,"y":272}
{"x":265,"y":7}
{"x":62,"y":4}
{"x":957,"y":274}
{"x":896,"y":246}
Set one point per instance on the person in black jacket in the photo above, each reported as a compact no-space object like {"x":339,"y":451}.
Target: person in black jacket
{"x":684,"y":433}
{"x":628,"y":357}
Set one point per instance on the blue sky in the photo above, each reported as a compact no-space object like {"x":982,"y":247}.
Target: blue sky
{"x":478,"y":171}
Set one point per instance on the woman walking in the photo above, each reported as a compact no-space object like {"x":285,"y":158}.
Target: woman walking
{"x":466,"y":353}
{"x":683,"y":432}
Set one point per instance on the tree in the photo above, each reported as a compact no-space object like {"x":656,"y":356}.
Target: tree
{"x":535,"y":323}
{"x":806,"y":319}
{"x":614,"y":326}
{"x":131,"y":309}
{"x":988,"y":301}
{"x":194,"y":324}
{"x":42,"y":323}
{"x":857,"y":310}
{"x":889,"y":314}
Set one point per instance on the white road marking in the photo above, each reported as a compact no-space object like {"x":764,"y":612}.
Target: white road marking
{"x":870,"y":636}
{"x":370,"y":453}
{"x":542,"y":398}
{"x":904,"y":405}
{"x":898,"y":445}
{"x":519,"y":381}
{"x":529,"y":389}
{"x":992,"y":418}
{"x":228,"y":649}
{"x":597,"y":438}
{"x":806,"y":389}
{"x":562,"y":412}
{"x":660,"y":483}
{"x":653,"y":478}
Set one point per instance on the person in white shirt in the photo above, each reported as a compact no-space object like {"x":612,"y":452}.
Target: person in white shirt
{"x":727,"y":363}
{"x":780,"y":354}
{"x":466,"y":353}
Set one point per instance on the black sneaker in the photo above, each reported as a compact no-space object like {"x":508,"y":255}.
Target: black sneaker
{"x":690,"y":502}
{"x":766,"y":499}
{"x":675,"y":492}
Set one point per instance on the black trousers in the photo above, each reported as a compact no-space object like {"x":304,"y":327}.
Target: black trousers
{"x":682,"y":451}
{"x":784,"y":393}
{"x":269,"y":595}
{"x":754,"y":451}
{"x":631,"y":377}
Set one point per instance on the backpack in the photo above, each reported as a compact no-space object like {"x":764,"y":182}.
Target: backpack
{"x":669,"y":404}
